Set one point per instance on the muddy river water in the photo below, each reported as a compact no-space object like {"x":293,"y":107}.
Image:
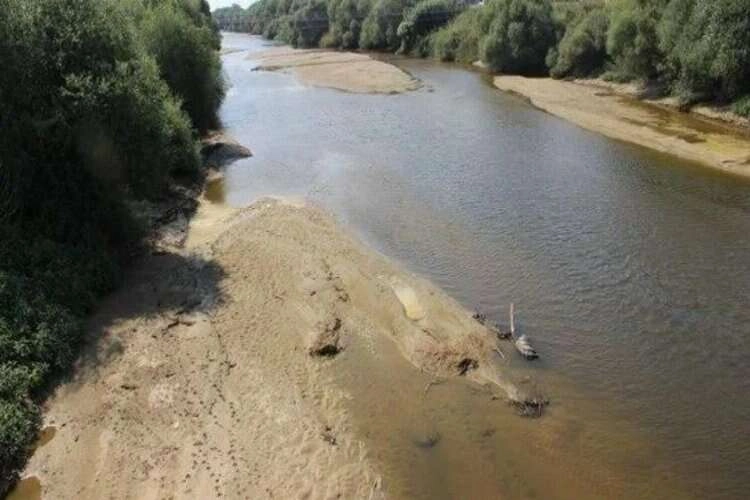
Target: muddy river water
{"x":629,"y":269}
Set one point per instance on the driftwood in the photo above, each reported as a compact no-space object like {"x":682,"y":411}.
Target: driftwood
{"x":493,"y":327}
{"x":522,"y":343}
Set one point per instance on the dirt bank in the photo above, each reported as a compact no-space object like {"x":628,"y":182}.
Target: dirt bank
{"x":213,"y":371}
{"x":602,"y":109}
{"x":346,"y":71}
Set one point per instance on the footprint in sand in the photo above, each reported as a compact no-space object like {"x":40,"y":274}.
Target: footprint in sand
{"x":408,"y":298}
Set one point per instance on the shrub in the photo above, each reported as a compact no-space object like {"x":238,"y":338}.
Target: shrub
{"x":707,"y":47}
{"x":459,"y":40}
{"x":423,"y":18}
{"x":309,"y":24}
{"x":184,"y":51}
{"x":345,"y":23}
{"x":520,"y":36}
{"x":632,"y":41}
{"x":379,"y":29}
{"x":86,"y":118}
{"x":742,"y":106}
{"x":582,"y":49}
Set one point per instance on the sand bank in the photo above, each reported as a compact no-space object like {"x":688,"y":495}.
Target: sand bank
{"x":601,"y":109}
{"x":213,"y":371}
{"x":348,"y":71}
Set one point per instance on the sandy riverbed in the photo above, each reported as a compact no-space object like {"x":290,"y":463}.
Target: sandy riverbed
{"x":348,"y":71}
{"x":213,"y":371}
{"x":598,"y":108}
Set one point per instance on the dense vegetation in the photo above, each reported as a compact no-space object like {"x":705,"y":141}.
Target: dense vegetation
{"x":696,"y":50}
{"x":101,"y":101}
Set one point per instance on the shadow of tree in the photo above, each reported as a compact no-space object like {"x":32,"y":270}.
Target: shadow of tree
{"x":164,"y":286}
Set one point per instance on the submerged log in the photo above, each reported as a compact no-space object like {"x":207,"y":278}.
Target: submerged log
{"x":522,"y":343}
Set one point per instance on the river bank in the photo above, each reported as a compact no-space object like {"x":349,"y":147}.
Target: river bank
{"x":213,"y":370}
{"x":274,"y":354}
{"x":613,"y":111}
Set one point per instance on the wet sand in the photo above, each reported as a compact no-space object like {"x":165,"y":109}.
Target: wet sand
{"x":213,"y":371}
{"x":347,"y":71}
{"x":598,"y":108}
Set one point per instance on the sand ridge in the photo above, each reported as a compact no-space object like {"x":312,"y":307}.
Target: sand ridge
{"x":200,"y":380}
{"x":347,"y":71}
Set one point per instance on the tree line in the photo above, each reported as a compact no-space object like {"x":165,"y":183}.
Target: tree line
{"x":103,"y":102}
{"x":693,"y":49}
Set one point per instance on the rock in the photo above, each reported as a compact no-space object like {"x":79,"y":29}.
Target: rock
{"x":219,"y":150}
{"x":428,"y":441}
{"x":326,"y":343}
{"x":467,"y":364}
{"x":328,"y":436}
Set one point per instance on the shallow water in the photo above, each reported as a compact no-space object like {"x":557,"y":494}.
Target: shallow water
{"x":630,"y":270}
{"x":28,"y":488}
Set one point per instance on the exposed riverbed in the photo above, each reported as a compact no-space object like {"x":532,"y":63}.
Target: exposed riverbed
{"x":267,"y":354}
{"x":629,"y":268}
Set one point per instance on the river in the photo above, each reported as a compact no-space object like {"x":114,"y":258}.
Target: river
{"x":629,"y":269}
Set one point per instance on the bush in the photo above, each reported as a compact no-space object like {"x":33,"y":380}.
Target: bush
{"x":707,"y":47}
{"x":379,"y":29}
{"x":520,"y":36}
{"x":345,"y":23}
{"x":423,"y":18}
{"x":187,"y":61}
{"x":582,"y":49}
{"x":742,"y":106}
{"x":87,"y":119}
{"x":632,"y":41}
{"x":18,"y":424}
{"x":309,"y":24}
{"x":459,"y":40}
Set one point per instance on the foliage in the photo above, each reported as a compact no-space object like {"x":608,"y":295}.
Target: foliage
{"x":582,"y":50}
{"x":699,"y":50}
{"x":707,"y":47}
{"x":742,"y":106}
{"x":87,"y":120}
{"x":520,"y":36}
{"x":380,"y":26}
{"x":632,"y":40}
{"x":184,"y":51}
{"x":309,"y":24}
{"x":423,"y":18}
{"x":459,"y":40}
{"x":345,"y":22}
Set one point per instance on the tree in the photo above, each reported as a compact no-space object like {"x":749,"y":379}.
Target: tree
{"x":521,"y":34}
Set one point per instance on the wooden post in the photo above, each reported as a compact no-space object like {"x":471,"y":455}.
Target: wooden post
{"x":512,"y":322}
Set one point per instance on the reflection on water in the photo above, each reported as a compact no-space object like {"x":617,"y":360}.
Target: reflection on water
{"x":630,"y":270}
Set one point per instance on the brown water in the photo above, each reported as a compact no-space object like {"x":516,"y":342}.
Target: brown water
{"x":630,"y":270}
{"x":29,"y":488}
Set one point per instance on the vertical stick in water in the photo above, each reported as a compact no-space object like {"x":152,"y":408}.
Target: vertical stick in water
{"x":512,"y":323}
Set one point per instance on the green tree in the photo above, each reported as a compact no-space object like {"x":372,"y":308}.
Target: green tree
{"x":425,"y":17}
{"x":520,"y":36}
{"x":187,"y":61}
{"x":583,"y":48}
